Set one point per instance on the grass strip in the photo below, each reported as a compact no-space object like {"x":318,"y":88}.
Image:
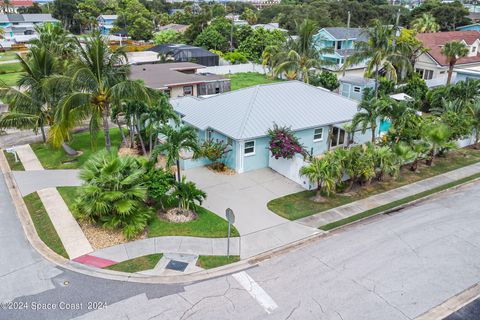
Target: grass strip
{"x":209,"y":262}
{"x":44,"y":226}
{"x":137,"y":264}
{"x":397,"y":203}
{"x":14,"y":165}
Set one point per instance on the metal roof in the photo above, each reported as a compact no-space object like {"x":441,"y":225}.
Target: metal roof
{"x":249,"y":113}
{"x":108,"y":16}
{"x":353,"y":33}
{"x":32,"y":18}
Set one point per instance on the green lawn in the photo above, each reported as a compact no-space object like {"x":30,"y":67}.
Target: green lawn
{"x":248,"y":79}
{"x":14,"y":165}
{"x":10,"y":67}
{"x":52,"y":158}
{"x":209,"y":262}
{"x":137,"y":264}
{"x":43,"y":224}
{"x":299,"y":205}
{"x":397,"y":203}
{"x":208,"y":225}
{"x":7,"y":56}
{"x":10,"y":79}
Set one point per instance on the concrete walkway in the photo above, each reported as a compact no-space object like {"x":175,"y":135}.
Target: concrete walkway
{"x":31,"y":181}
{"x":35,"y":178}
{"x":29,"y":159}
{"x":345,"y":211}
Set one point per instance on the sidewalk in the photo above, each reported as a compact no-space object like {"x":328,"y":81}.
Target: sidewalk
{"x":70,"y":233}
{"x":348,"y":210}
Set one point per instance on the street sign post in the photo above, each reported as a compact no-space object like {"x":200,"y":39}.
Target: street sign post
{"x":231,"y":219}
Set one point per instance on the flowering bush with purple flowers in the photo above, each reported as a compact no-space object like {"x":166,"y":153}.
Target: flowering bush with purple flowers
{"x":283,"y":143}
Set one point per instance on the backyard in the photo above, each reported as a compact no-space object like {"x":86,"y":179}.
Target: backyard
{"x":10,"y":72}
{"x":299,"y":205}
{"x":248,"y":79}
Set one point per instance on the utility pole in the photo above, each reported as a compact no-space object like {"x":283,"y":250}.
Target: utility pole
{"x":346,"y":50}
{"x":397,"y":29}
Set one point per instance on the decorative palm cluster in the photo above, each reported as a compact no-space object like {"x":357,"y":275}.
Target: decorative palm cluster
{"x":283,"y":143}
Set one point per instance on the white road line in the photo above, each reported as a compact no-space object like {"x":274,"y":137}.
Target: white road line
{"x":256,"y":291}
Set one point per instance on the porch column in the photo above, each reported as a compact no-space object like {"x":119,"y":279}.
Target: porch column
{"x":240,"y":156}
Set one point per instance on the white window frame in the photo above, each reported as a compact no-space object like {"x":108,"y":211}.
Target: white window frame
{"x":355,"y":89}
{"x":315,"y":134}
{"x":245,"y":147}
{"x":208,"y":134}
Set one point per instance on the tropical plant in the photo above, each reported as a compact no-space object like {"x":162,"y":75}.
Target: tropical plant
{"x":283,"y":142}
{"x":426,"y":23}
{"x":113,"y":193}
{"x":386,"y":162}
{"x":411,"y":154}
{"x":453,"y":51}
{"x":158,"y":182}
{"x":325,"y":79}
{"x":188,"y":195}
{"x":379,"y":53}
{"x":56,"y":40}
{"x":320,"y":172}
{"x":99,"y":81}
{"x":176,"y":140}
{"x":214,"y":151}
{"x":475,"y":111}
{"x":437,"y":137}
{"x":371,"y":109}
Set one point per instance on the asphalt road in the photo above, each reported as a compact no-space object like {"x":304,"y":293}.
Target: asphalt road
{"x":393,"y":267}
{"x":469,"y":312}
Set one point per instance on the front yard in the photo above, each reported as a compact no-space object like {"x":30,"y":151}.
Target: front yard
{"x":56,"y":158}
{"x":299,"y":205}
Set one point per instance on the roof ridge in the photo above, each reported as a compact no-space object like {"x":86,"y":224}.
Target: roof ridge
{"x":249,"y":111}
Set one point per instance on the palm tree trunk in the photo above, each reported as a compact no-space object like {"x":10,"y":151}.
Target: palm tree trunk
{"x":376,"y":80}
{"x":131,"y":134}
{"x":124,"y":139}
{"x":42,"y":130}
{"x":374,"y":128}
{"x":178,"y":170}
{"x":450,"y":71}
{"x":150,"y":143}
{"x":106,"y":129}
{"x":69,"y":150}
{"x":140,"y":137}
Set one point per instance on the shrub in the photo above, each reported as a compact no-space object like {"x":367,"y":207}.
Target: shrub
{"x":113,"y":193}
{"x":283,"y":143}
{"x":188,"y":194}
{"x":214,"y":150}
{"x":235,"y":57}
{"x":326,"y":79}
{"x":158,"y":182}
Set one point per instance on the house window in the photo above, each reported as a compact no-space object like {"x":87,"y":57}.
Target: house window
{"x":249,"y":148}
{"x":188,"y":90}
{"x":339,"y":45}
{"x":208,"y":134}
{"x":474,"y":49}
{"x":356,"y":89}
{"x":217,"y":90}
{"x":167,"y":92}
{"x":318,"y":134}
{"x":428,"y":74}
{"x":338,"y":137}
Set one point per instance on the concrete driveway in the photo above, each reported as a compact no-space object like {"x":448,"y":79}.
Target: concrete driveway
{"x":247,"y":194}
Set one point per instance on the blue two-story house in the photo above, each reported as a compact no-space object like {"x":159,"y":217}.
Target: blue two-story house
{"x":106,"y":22}
{"x":241,"y":118}
{"x":340,"y":43}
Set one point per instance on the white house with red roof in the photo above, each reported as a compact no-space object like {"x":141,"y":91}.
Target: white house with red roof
{"x":433,"y":64}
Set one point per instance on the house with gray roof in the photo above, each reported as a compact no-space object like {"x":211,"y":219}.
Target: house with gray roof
{"x":241,"y":118}
{"x":337,"y":44}
{"x":18,"y":27}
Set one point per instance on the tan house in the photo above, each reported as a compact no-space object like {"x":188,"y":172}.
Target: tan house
{"x":433,"y":64}
{"x":179,"y":79}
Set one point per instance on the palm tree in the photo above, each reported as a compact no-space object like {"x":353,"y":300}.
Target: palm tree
{"x":426,"y":23}
{"x":379,"y":52}
{"x":436,"y":136}
{"x":453,"y":51}
{"x":31,"y":106}
{"x":55,"y":39}
{"x":99,"y":81}
{"x":386,"y":162}
{"x":371,"y":109}
{"x":188,"y":194}
{"x":320,"y":171}
{"x":177,"y":140}
{"x":475,"y":112}
{"x":299,"y":55}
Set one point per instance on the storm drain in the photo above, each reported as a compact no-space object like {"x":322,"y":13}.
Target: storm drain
{"x":177,"y":265}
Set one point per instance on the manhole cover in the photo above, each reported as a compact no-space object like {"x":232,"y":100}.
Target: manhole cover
{"x":176,"y":265}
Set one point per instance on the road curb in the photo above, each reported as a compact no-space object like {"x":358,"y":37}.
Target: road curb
{"x":452,"y":305}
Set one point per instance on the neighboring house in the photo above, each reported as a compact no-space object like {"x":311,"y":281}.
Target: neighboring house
{"x":341,"y":42}
{"x":270,"y":27}
{"x":236,"y":19}
{"x":433,"y":64}
{"x":181,"y":28}
{"x":21,"y":27}
{"x":474,"y":26}
{"x":187,"y":53}
{"x":13,"y":5}
{"x":106,"y":22}
{"x":352,"y":86}
{"x":463,"y":74}
{"x":179,"y":79}
{"x":241,"y":118}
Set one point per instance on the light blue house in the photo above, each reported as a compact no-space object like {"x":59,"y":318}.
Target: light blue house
{"x":341,"y":42}
{"x":466,"y":74}
{"x":475,"y":27}
{"x":242,"y":118}
{"x":352,"y":86}
{"x":106,"y":22}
